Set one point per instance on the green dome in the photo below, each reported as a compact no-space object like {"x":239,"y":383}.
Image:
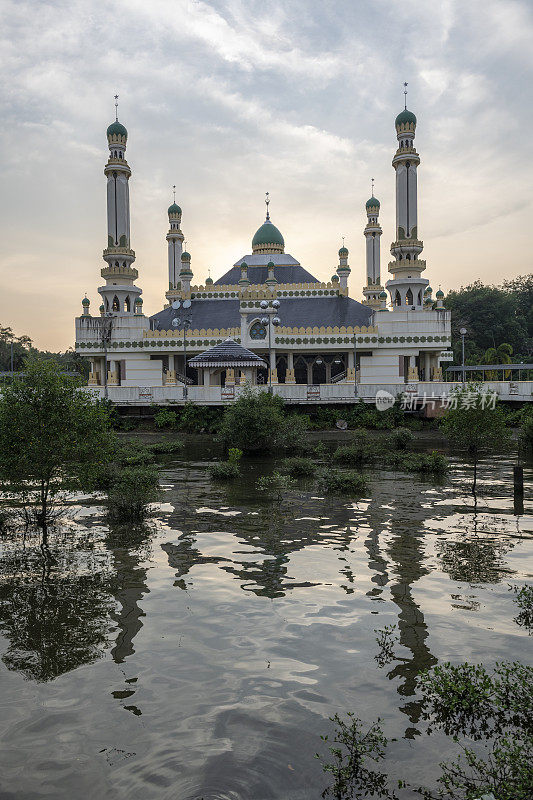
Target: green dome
{"x":372,"y":203}
{"x":383,"y":295}
{"x":270,"y":265}
{"x":86,"y":301}
{"x":343,"y":252}
{"x":335,"y":278}
{"x":440,"y":294}
{"x":138,"y":301}
{"x":267,"y":234}
{"x":244,"y":265}
{"x":428,"y":290}
{"x":102,"y":308}
{"x":185,"y":256}
{"x":118,"y":129}
{"x":174,"y":209}
{"x":405,"y":117}
{"x":208,"y":281}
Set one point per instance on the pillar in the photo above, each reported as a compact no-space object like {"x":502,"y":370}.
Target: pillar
{"x":427,"y":366}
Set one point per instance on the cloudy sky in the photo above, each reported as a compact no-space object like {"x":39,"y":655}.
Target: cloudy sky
{"x":230,"y":98}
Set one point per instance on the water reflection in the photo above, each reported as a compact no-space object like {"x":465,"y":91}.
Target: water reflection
{"x":54,"y":617}
{"x":232,"y":627}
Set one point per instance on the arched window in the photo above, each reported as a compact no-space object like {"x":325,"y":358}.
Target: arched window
{"x":397,"y":298}
{"x":420,"y":297}
{"x":258,"y":331}
{"x":106,"y":304}
{"x":127,"y":304}
{"x":409,"y":298}
{"x":116,"y":304}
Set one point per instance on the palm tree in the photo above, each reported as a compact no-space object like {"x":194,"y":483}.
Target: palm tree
{"x":499,"y":355}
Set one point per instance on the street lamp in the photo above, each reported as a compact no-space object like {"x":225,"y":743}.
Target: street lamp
{"x":106,"y":325}
{"x":355,"y":364}
{"x":463,"y":333}
{"x":187,"y":322}
{"x":275,"y":322}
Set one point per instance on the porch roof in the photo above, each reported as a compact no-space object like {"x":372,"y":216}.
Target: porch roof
{"x":227,"y":354}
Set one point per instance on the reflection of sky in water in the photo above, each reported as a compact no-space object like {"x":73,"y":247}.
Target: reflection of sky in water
{"x":202,"y":655}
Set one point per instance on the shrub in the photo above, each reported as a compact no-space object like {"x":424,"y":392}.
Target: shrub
{"x":165,"y":447}
{"x":224,"y":471}
{"x":526,"y":428}
{"x":199,"y":419}
{"x":400,"y":438}
{"x":358,"y":452}
{"x":298,"y":467}
{"x":256,"y":423}
{"x":131,"y":491}
{"x":276,"y":484}
{"x":227,"y":470}
{"x":429,"y":463}
{"x":335,"y":481}
{"x":165,"y":418}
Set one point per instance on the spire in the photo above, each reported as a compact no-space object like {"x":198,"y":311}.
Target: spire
{"x":116,"y":108}
{"x":267,"y":203}
{"x":372,"y":179}
{"x":405,"y":85}
{"x":174,"y":192}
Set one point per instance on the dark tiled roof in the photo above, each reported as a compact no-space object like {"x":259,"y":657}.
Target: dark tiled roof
{"x":227,"y":353}
{"x":203,"y":313}
{"x":293,"y":273}
{"x":301,"y":311}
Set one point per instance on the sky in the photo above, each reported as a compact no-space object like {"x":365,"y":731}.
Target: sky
{"x":228,"y":99}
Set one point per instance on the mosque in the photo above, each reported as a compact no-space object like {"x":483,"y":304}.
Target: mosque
{"x":267,"y":320}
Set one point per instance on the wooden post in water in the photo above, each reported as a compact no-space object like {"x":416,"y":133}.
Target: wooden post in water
{"x":518,"y":493}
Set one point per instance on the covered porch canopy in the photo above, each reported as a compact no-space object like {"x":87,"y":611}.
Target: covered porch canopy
{"x":225,"y":364}
{"x":499,"y":372}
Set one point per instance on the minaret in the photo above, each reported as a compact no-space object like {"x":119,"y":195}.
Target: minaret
{"x":185,"y":274}
{"x":175,"y":243}
{"x":119,"y":293}
{"x":373,"y":288}
{"x":343,"y":270}
{"x":406,"y":286}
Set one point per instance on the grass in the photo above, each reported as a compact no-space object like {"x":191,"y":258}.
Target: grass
{"x":336,"y":481}
{"x":298,"y":467}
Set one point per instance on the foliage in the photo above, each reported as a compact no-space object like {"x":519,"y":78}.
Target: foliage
{"x":256,"y":423}
{"x":298,"y":467}
{"x":131,"y":491}
{"x":336,"y":481}
{"x":426,"y":463}
{"x":386,"y":639}
{"x":354,"y":747}
{"x":227,"y":470}
{"x":165,"y":447}
{"x":524,"y":601}
{"x":526,"y":428}
{"x":22,"y":349}
{"x":198,"y":419}
{"x":53,"y":437}
{"x":474,"y":424}
{"x":490,"y":315}
{"x":165,"y":418}
{"x":400,"y":439}
{"x":276,"y":484}
{"x":358,"y":452}
{"x":466,"y":700}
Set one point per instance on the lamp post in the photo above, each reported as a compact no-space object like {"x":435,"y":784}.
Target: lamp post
{"x":355,"y":364}
{"x":275,"y":321}
{"x":463,"y":333}
{"x":187,"y":322}
{"x":106,"y":325}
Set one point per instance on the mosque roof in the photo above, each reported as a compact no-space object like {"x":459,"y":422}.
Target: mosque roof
{"x":268,"y":234}
{"x":286,"y":270}
{"x":227,"y":354}
{"x":372,"y":202}
{"x":174,"y":209}
{"x":404,"y":117}
{"x":293,"y":312}
{"x":117,"y":128}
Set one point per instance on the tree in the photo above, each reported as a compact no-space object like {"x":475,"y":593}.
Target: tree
{"x":499,"y":355}
{"x":52,"y":437}
{"x":475,"y":423}
{"x":256,"y":423}
{"x":491,"y":316}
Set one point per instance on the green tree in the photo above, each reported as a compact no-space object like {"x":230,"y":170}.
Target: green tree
{"x":53,"y":436}
{"x":498,"y":355}
{"x":475,"y":423}
{"x":491,"y":316}
{"x":256,"y":423}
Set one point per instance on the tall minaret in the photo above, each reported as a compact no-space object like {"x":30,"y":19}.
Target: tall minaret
{"x":406,"y":287}
{"x":373,"y":288}
{"x":175,"y":243}
{"x":119,"y":293}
